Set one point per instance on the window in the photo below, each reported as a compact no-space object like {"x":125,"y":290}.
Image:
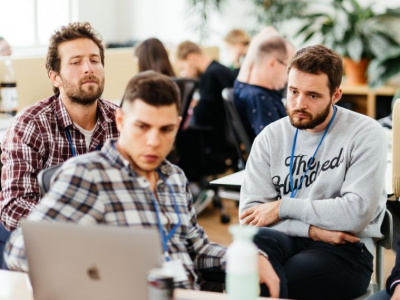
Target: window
{"x":29,"y":23}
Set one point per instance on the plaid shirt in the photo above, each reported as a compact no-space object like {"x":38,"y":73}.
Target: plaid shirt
{"x":37,"y":140}
{"x":102,"y":187}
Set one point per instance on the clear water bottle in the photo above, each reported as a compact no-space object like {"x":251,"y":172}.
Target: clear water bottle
{"x":242,"y":281}
{"x":8,"y":88}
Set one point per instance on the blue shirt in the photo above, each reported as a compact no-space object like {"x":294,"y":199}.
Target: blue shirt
{"x":257,"y":106}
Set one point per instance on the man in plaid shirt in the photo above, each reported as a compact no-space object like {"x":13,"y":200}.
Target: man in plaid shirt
{"x":130,"y":183}
{"x":73,"y":121}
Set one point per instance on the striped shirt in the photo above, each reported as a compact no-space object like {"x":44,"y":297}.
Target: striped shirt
{"x":36,"y":140}
{"x":102,"y":188}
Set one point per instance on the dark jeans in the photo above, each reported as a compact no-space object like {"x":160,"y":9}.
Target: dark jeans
{"x":316,"y":270}
{"x":4,"y":235}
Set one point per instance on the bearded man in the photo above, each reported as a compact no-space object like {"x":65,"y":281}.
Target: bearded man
{"x":74,"y":121}
{"x":315,"y":185}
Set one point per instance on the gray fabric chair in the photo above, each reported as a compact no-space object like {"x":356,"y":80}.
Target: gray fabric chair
{"x":44,"y":178}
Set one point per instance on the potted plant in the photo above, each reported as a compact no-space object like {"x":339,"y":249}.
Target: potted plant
{"x":385,"y":66}
{"x":356,"y":32}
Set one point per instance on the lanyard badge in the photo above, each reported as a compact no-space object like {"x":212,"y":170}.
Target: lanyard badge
{"x":294,"y":191}
{"x":175,"y":267}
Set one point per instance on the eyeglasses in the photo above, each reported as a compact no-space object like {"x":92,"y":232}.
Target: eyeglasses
{"x":281,"y":62}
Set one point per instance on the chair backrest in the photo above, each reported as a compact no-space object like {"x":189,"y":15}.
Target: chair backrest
{"x":44,"y":178}
{"x":396,"y":148}
{"x":387,"y":231}
{"x":242,"y":141}
{"x":187,"y":88}
{"x":386,"y":242}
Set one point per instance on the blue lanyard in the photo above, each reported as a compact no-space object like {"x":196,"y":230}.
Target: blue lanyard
{"x":71,"y":145}
{"x":294,"y":191}
{"x":164,"y":238}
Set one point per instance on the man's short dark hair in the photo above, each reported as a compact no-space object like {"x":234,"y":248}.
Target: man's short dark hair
{"x":319,"y":59}
{"x":153,"y":88}
{"x":67,"y":33}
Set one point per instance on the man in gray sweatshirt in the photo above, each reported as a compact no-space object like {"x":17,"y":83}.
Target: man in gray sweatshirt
{"x":314,"y":184}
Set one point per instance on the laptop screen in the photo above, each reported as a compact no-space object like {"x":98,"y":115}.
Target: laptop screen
{"x":69,"y":261}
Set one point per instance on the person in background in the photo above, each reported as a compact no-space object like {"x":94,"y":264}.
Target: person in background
{"x":315,"y":185}
{"x":74,"y":121}
{"x":258,"y":98}
{"x":151,"y":55}
{"x":248,"y":63}
{"x":132,"y":184}
{"x":5,"y":49}
{"x":204,"y":147}
{"x":236,"y":42}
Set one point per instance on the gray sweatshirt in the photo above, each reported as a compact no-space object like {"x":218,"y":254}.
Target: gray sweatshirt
{"x":343,"y":190}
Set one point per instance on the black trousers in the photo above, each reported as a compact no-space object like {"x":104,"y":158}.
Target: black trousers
{"x":316,"y":270}
{"x":4,"y":235}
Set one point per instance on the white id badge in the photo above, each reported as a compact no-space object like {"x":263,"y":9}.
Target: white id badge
{"x":176,"y":269}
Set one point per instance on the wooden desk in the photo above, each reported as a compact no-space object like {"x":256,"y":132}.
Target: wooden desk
{"x":364,"y":97}
{"x":16,"y":286}
{"x":180,"y":294}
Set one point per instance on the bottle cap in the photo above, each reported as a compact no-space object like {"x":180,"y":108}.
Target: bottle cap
{"x":243,"y":232}
{"x":8,"y":84}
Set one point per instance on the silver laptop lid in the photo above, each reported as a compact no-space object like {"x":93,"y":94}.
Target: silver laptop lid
{"x":71,"y":262}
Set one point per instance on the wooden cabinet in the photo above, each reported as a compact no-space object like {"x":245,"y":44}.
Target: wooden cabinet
{"x":365,"y":100}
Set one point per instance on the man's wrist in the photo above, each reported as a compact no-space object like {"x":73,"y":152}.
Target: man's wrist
{"x":311,"y":232}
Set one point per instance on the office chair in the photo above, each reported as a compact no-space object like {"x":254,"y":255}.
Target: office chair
{"x":44,"y":178}
{"x":242,"y":145}
{"x":187,"y":88}
{"x":238,"y":132}
{"x":197,"y":154}
{"x":385,"y":242}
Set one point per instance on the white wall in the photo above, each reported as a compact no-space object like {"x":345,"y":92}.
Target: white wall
{"x":171,"y":20}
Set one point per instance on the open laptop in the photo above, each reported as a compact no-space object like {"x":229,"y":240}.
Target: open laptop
{"x":72,"y":262}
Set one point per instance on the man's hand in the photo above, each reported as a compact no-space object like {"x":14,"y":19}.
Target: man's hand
{"x":331,"y":236}
{"x":396,"y":293}
{"x":268,"y":276}
{"x":262,"y":215}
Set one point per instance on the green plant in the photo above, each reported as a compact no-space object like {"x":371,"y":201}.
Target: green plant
{"x":199,"y":11}
{"x":356,"y":32}
{"x":275,"y":12}
{"x":350,"y":29}
{"x":383,"y":68}
{"x":386,"y":65}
